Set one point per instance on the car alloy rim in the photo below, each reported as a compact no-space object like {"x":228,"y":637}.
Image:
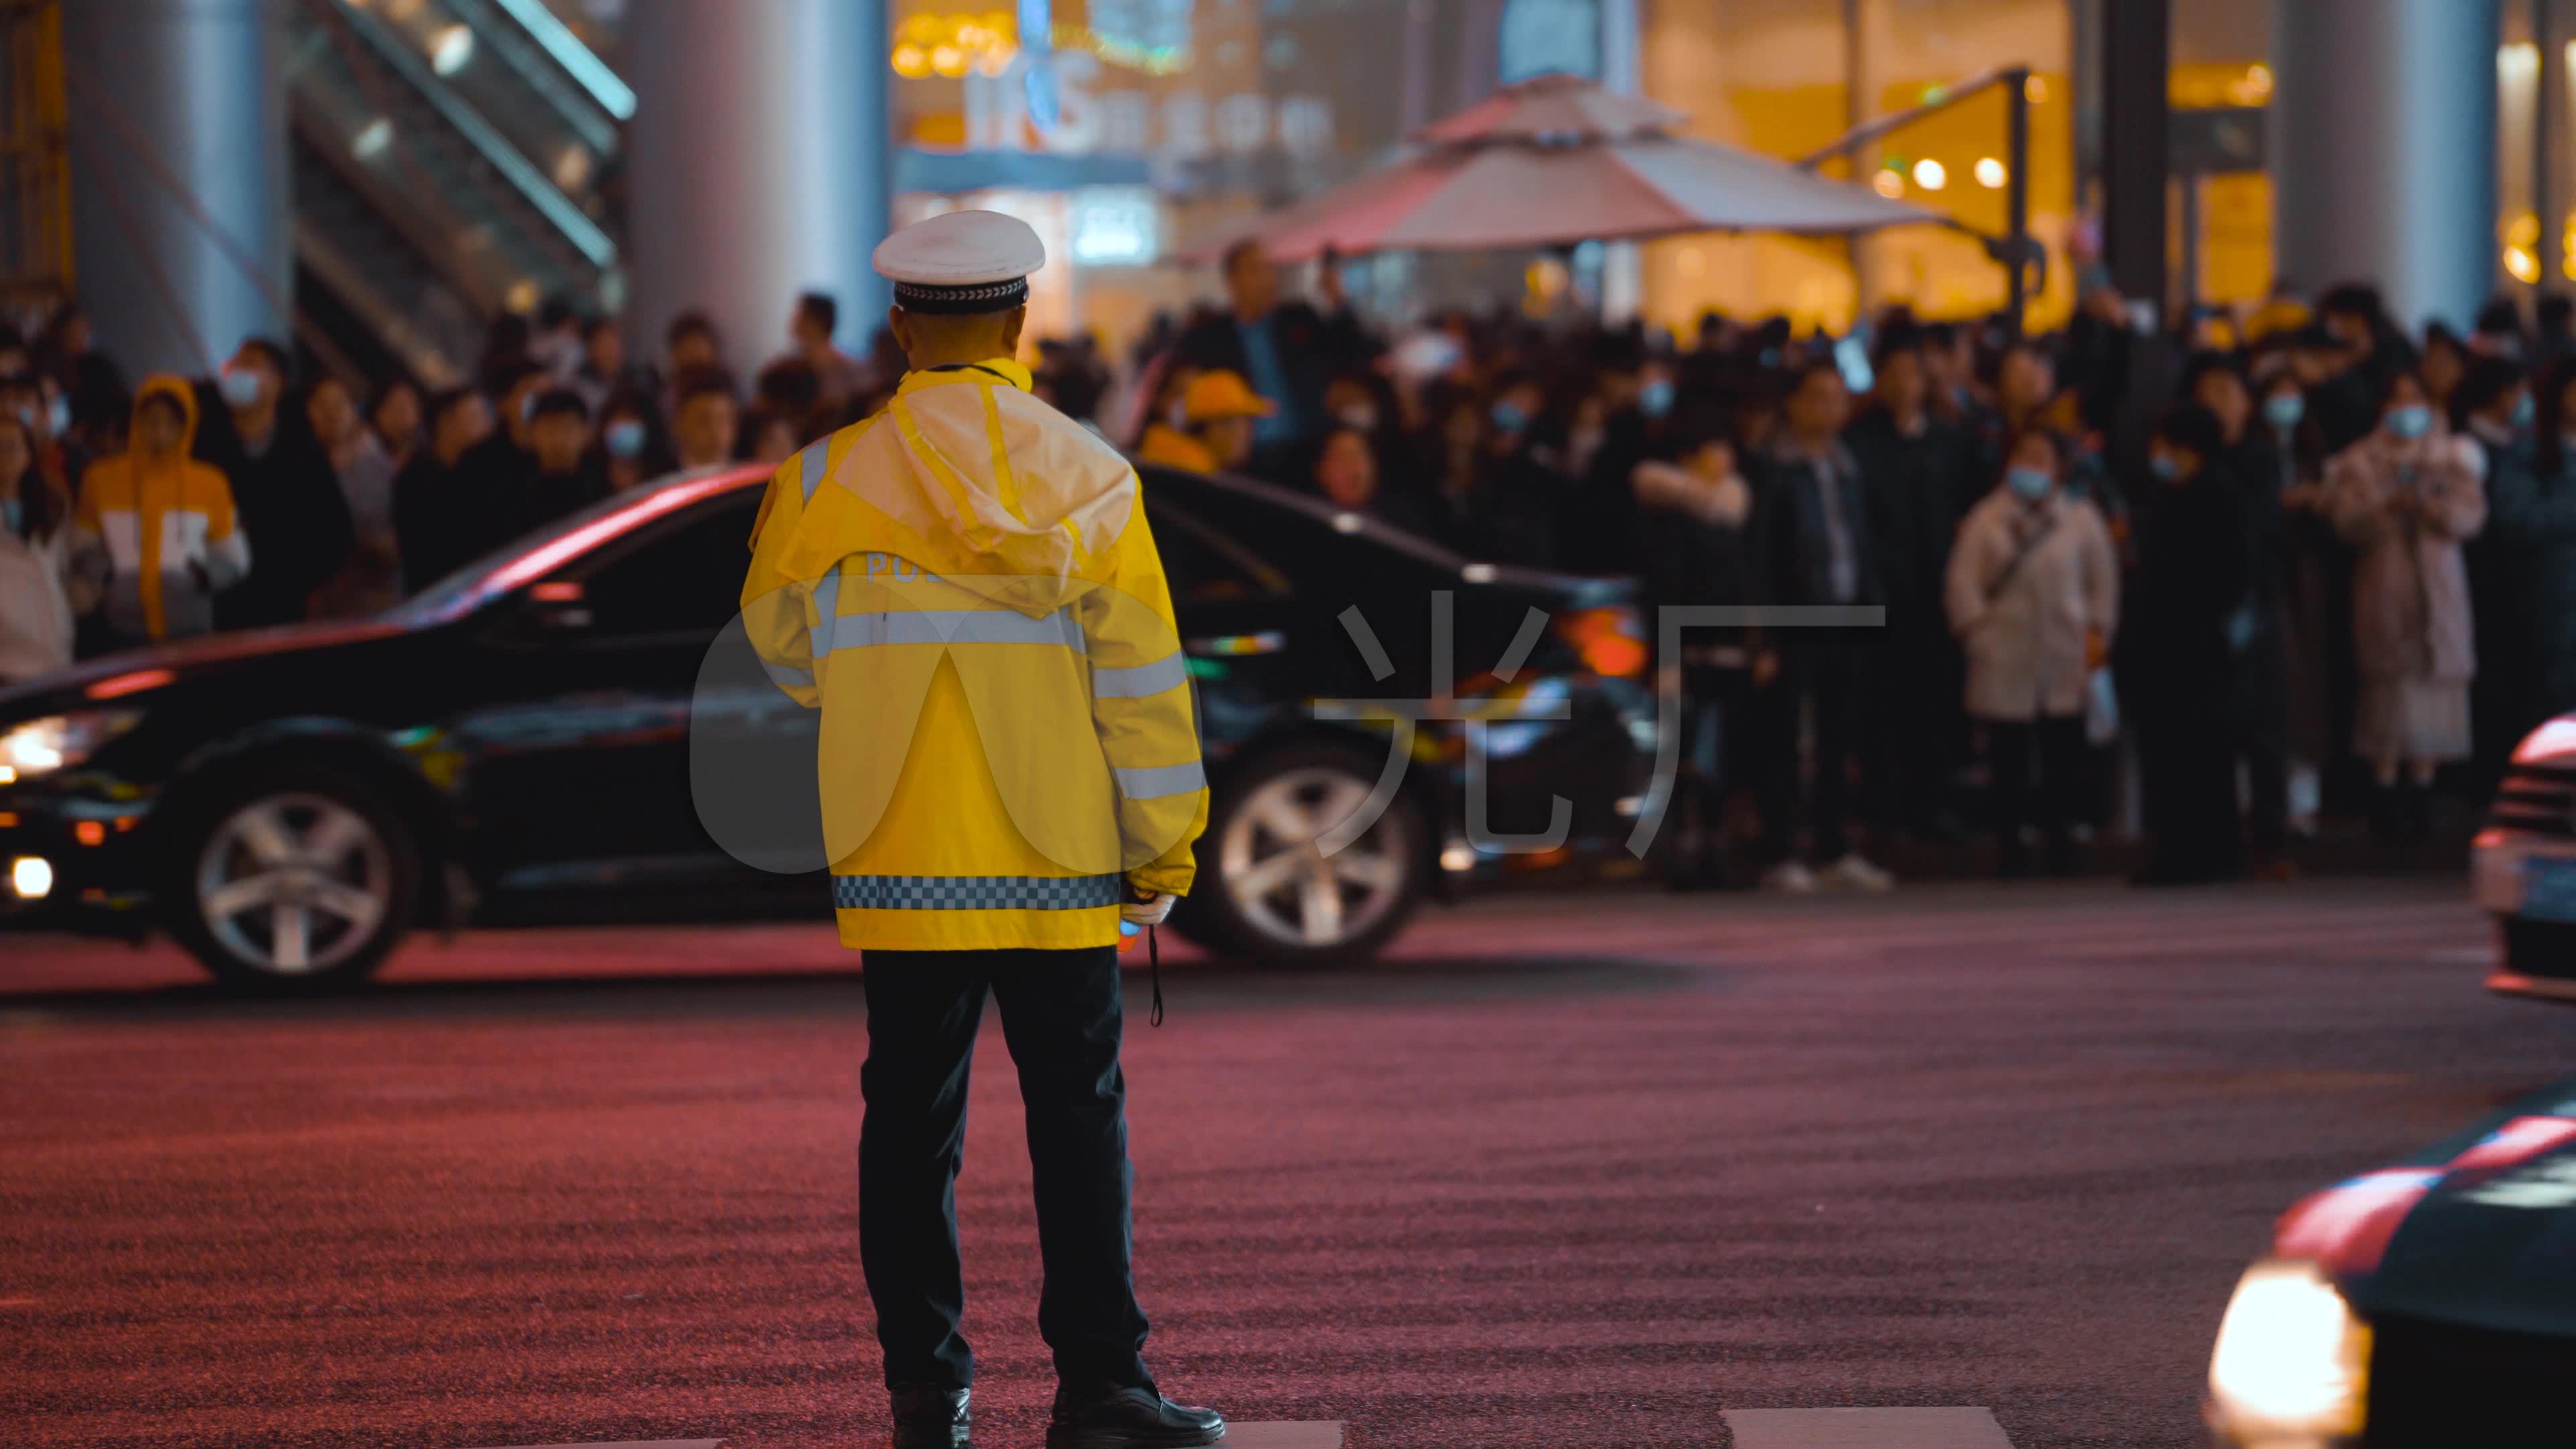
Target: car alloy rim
{"x":1281,"y":881}
{"x":294,"y":884}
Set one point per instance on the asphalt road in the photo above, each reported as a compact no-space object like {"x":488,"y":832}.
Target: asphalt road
{"x":1565,"y":1171}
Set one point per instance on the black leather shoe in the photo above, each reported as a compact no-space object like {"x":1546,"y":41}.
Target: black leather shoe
{"x":930,"y":1418}
{"x":1129,"y":1419}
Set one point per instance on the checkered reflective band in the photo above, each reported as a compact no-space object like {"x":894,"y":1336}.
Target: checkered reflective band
{"x":983,"y":297}
{"x":973,"y":892}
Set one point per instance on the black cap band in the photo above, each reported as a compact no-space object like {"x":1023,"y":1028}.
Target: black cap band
{"x":958,"y":301}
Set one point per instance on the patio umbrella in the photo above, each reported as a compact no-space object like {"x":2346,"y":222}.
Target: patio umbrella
{"x":1556,"y":161}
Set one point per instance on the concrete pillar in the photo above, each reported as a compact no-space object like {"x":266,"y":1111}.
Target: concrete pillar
{"x":2137,"y":52}
{"x":2383,"y":150}
{"x":180,"y":221}
{"x":760,"y":165}
{"x":1867,"y":43}
{"x":1623,"y":273}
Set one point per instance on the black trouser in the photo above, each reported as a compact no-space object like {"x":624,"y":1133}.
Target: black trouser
{"x":2267,"y":779}
{"x":1914,"y":729}
{"x":1060,"y":1016}
{"x":2187,"y":773}
{"x":2057,"y":747}
{"x":1825,"y":675}
{"x":2263,"y":736}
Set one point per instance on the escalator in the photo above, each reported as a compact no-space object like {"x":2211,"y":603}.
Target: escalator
{"x":448,"y":164}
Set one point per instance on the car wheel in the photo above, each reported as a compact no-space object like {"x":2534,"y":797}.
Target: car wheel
{"x":298,"y":877}
{"x":1267,"y":889}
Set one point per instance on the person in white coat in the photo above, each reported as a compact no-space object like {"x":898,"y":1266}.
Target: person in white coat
{"x":36,"y":613}
{"x":2033,"y":593}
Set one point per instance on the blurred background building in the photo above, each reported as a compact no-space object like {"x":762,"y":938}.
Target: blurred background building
{"x":376,"y":177}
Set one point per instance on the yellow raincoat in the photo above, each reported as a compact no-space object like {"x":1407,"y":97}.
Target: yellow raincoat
{"x":965,"y":585}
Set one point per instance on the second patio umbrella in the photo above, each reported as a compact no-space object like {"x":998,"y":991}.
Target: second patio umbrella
{"x":1556,"y":161}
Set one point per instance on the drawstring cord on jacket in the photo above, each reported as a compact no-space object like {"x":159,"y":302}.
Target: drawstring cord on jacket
{"x":1154,"y":970}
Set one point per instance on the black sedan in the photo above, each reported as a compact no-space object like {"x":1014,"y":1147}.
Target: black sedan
{"x":291,"y":803}
{"x":2427,"y":1305}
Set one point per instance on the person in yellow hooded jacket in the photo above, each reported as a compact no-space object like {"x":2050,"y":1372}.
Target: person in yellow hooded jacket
{"x":966,"y":587}
{"x":1217,"y":416}
{"x":154,"y":533}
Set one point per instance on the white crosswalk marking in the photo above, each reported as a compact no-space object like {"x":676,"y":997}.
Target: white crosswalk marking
{"x":1866,"y":1429}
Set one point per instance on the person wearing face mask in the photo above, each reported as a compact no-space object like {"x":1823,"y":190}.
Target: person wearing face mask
{"x":2178,"y":660}
{"x":371,"y":580}
{"x":2493,"y":408}
{"x":1510,"y":516}
{"x":37,"y":609}
{"x":296,"y":519}
{"x":2033,"y":591}
{"x":2316,"y":583}
{"x":1601,"y":527}
{"x":2250,"y":465}
{"x":2532,"y":519}
{"x":2405,"y":498}
{"x":631,"y":449}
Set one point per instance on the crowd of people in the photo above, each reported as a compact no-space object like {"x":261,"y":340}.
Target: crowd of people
{"x":2293,"y":563}
{"x":2303,"y":562}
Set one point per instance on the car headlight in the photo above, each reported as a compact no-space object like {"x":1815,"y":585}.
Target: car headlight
{"x":2292,"y":1360}
{"x":32,"y":747}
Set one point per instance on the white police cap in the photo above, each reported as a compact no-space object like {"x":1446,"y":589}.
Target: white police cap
{"x":961,"y":262}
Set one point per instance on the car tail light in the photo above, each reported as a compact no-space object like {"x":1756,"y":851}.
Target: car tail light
{"x":1609,"y":640}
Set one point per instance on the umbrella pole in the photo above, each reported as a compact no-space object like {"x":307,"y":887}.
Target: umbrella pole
{"x":2017,"y":191}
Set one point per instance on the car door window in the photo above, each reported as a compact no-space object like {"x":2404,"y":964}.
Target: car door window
{"x":1204,"y":566}
{"x":684,"y":577}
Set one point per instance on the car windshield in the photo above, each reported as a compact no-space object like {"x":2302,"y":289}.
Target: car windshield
{"x":467,"y":587}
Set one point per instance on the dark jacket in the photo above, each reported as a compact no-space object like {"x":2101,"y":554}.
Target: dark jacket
{"x":1788,"y":541}
{"x":531,"y":499}
{"x":2531,"y":520}
{"x":1918,"y":488}
{"x":291,"y":510}
{"x":1311,"y":347}
{"x":445,"y":517}
{"x":1511,"y":516}
{"x":2193,"y":579}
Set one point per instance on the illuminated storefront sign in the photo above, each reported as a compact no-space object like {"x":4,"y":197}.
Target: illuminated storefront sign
{"x":1541,"y":36}
{"x":1179,"y":124}
{"x":954,"y":44}
{"x":1115,"y":226}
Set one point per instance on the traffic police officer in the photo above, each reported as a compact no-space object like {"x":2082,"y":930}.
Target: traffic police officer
{"x":964,"y":584}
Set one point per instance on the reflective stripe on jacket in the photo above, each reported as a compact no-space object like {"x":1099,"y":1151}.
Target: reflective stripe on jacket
{"x":966,"y":587}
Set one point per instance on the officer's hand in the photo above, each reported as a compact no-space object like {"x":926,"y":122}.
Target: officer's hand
{"x":1149,"y":911}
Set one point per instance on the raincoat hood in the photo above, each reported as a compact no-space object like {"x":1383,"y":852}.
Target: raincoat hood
{"x":970,"y":477}
{"x":176,"y":389}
